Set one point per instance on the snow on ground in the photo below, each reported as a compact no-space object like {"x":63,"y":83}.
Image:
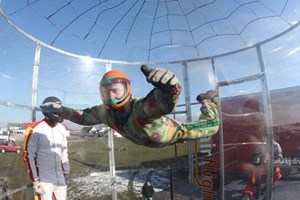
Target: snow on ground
{"x":98,"y":184}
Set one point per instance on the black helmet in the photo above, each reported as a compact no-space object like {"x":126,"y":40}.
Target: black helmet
{"x":52,"y":113}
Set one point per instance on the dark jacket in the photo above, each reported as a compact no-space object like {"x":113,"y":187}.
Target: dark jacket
{"x":147,"y":190}
{"x":260,"y":154}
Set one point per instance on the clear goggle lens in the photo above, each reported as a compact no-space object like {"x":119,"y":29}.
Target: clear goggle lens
{"x":113,"y":93}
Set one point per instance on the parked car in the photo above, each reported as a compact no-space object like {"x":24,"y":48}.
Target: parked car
{"x":3,"y":141}
{"x":91,"y":131}
{"x":10,"y":146}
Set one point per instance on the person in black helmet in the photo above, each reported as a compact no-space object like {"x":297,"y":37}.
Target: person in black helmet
{"x":46,"y":155}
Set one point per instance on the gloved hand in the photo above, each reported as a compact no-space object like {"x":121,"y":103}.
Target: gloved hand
{"x":204,"y":109}
{"x":37,"y":187}
{"x":52,"y":107}
{"x":161,"y":78}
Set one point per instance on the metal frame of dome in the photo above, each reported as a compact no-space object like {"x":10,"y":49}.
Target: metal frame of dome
{"x":152,"y":31}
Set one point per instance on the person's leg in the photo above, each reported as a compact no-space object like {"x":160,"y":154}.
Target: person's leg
{"x":208,"y":123}
{"x":48,"y":189}
{"x":250,"y":188}
{"x":60,"y":192}
{"x":167,"y":131}
{"x":276,"y":176}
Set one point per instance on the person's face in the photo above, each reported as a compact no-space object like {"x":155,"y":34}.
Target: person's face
{"x":113,"y":92}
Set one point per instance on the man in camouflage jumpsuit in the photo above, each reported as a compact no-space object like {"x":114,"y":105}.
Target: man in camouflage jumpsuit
{"x":144,"y":120}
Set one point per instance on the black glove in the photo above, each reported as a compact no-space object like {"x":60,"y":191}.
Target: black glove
{"x":52,"y":107}
{"x":161,"y":78}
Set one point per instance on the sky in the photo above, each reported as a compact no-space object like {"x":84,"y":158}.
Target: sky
{"x":150,"y":33}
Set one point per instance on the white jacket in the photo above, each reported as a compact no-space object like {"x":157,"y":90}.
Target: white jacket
{"x":46,"y":152}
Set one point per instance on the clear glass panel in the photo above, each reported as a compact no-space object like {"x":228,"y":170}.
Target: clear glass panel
{"x":282,"y":60}
{"x":282,"y":63}
{"x":206,"y":164}
{"x":16,"y":63}
{"x":75,"y":80}
{"x":242,"y":120}
{"x":236,"y":66}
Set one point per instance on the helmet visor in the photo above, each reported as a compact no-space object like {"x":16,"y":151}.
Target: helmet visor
{"x":113,"y":93}
{"x":54,"y":117}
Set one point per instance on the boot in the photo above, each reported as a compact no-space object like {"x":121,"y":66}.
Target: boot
{"x":209,"y":95}
{"x":276,"y":176}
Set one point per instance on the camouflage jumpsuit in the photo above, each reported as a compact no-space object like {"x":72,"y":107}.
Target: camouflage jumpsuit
{"x":147,"y":123}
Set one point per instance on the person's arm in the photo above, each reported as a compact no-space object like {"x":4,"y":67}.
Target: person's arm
{"x":143,"y":190}
{"x":158,"y":103}
{"x":88,"y":116}
{"x":64,"y":157}
{"x":30,"y":147}
{"x":152,"y":189}
{"x":163,"y":98}
{"x":277,"y":151}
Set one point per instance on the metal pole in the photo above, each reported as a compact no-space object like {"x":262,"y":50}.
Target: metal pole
{"x":171,"y":175}
{"x":112,"y":166}
{"x":189,"y":119}
{"x":268,"y":123}
{"x":171,"y":182}
{"x":221,"y":140}
{"x":35,"y":80}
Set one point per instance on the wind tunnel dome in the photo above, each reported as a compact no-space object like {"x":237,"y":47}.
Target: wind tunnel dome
{"x":248,"y":50}
{"x":149,"y":30}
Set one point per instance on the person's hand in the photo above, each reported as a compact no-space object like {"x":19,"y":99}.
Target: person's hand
{"x":37,"y":187}
{"x":204,"y":109}
{"x":52,"y":107}
{"x":161,"y":78}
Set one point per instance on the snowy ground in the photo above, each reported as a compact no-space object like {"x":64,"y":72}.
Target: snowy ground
{"x":98,"y":184}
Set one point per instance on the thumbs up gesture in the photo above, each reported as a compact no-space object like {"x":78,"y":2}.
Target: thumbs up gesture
{"x":160,"y":78}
